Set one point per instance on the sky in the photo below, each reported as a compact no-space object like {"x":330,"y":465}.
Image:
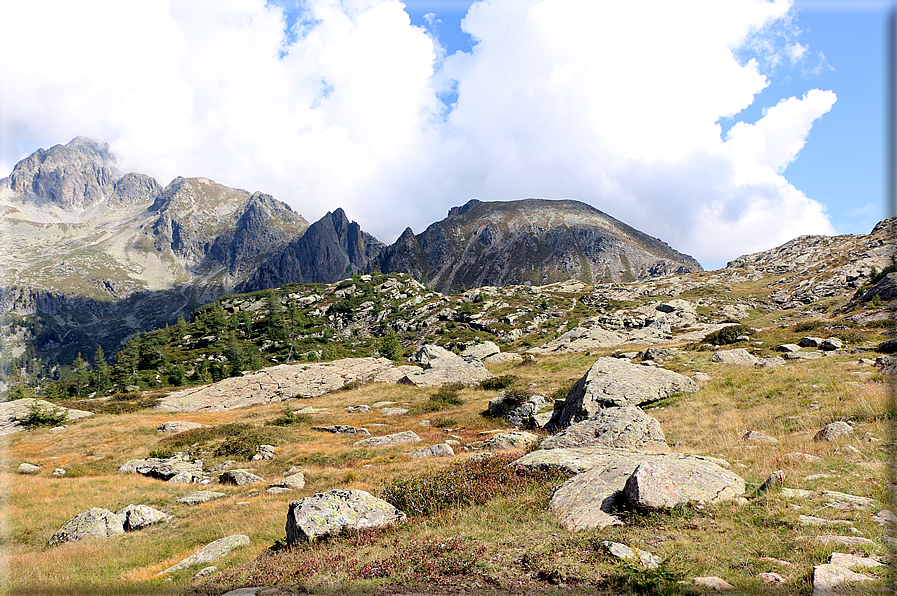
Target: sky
{"x":723,"y":128}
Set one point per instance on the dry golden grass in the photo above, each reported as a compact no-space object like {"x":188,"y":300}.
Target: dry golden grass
{"x":791,"y":403}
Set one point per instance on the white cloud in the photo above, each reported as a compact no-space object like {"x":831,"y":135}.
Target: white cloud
{"x":612,"y":103}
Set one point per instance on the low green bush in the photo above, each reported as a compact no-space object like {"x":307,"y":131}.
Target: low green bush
{"x":727,"y":335}
{"x":38,"y":416}
{"x":498,"y":383}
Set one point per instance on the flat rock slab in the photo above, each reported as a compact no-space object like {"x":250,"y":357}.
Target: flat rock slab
{"x":626,"y":427}
{"x":96,"y":522}
{"x":618,"y":382}
{"x":342,"y":429}
{"x":332,"y":511}
{"x":582,"y":339}
{"x":828,"y":577}
{"x":403,"y":438}
{"x":13,"y":411}
{"x":200,"y":496}
{"x":275,"y":384}
{"x":211,"y":552}
{"x":621,"y":551}
{"x":137,"y":517}
{"x":178,"y":426}
{"x":480,"y":351}
{"x":511,"y":440}
{"x":176,"y":469}
{"x":589,"y":499}
{"x":444,"y":367}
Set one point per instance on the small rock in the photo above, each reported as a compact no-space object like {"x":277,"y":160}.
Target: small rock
{"x":713,"y":583}
{"x":810,"y":342}
{"x":885,"y":517}
{"x":26,"y":468}
{"x":776,"y":480}
{"x":263,"y":452}
{"x":360,"y":409}
{"x":832,"y":343}
{"x":223,"y":466}
{"x":239,"y":477}
{"x":383,"y":404}
{"x":137,"y":517}
{"x":621,"y":551}
{"x":738,"y":356}
{"x":771,"y":579}
{"x":59,"y":472}
{"x":438,"y":450}
{"x":292,"y":482}
{"x":402,"y":438}
{"x":393,"y":411}
{"x":177,"y":426}
{"x":200,"y":496}
{"x":753,"y":436}
{"x":700,"y":377}
{"x":849,"y":450}
{"x":844,"y":540}
{"x":834,"y":431}
{"x":850,"y":560}
{"x":827,"y":577}
{"x":787,"y":348}
{"x":342,"y":429}
{"x":424,"y":422}
{"x":511,"y":440}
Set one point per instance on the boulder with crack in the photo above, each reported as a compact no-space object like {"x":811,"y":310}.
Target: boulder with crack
{"x":617,"y":382}
{"x":626,"y":427}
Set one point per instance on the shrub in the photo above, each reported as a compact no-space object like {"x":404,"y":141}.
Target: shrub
{"x":517,"y":396}
{"x":498,"y":383}
{"x":444,"y":398}
{"x":727,"y":335}
{"x":390,"y":347}
{"x":289,"y":418}
{"x":473,"y":481}
{"x":38,"y":416}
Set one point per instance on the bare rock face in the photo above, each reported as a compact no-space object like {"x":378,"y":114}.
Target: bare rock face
{"x":535,"y":240}
{"x":96,"y":522}
{"x":623,"y":427}
{"x":618,"y":382}
{"x":885,"y":289}
{"x":330,"y":512}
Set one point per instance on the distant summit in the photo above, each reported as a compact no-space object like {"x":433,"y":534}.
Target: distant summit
{"x":534,"y":241}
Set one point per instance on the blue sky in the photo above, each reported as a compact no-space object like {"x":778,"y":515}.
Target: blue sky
{"x":722,"y":128}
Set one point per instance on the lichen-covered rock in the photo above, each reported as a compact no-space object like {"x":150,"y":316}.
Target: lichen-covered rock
{"x":621,"y":551}
{"x":210,"y":552}
{"x":834,"y":431}
{"x":330,"y":512}
{"x":828,"y":577}
{"x":618,"y":382}
{"x":26,"y":468}
{"x":96,"y":522}
{"x":137,"y":517}
{"x":403,"y":438}
{"x":480,"y":351}
{"x":625,"y":427}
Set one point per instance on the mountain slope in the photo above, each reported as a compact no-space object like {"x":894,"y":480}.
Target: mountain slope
{"x":534,"y":240}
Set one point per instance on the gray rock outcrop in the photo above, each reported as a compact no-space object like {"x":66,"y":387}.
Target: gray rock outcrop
{"x":332,"y":511}
{"x":511,"y":440}
{"x":618,"y":382}
{"x":177,"y":426}
{"x":444,"y":367}
{"x":737,"y":356}
{"x":438,"y":450}
{"x":625,"y":427}
{"x":210,"y":552}
{"x":178,"y":468}
{"x":514,"y":411}
{"x":834,"y":431}
{"x":403,"y":438}
{"x":137,"y":517}
{"x":96,"y":522}
{"x":239,"y":477}
{"x":292,"y":482}
{"x":13,"y":412}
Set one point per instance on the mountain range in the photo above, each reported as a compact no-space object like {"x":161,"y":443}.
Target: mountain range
{"x":94,"y":255}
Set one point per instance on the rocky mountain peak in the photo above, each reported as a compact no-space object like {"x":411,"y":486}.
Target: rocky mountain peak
{"x":77,"y":175}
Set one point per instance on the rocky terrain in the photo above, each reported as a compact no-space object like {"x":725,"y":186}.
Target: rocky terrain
{"x":698,"y":432}
{"x":94,"y":256}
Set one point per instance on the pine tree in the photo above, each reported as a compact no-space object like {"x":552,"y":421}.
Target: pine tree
{"x":102,"y":380}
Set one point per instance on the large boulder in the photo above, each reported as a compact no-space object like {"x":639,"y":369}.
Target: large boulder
{"x":239,"y":477}
{"x":176,"y":469}
{"x":589,"y":499}
{"x":511,"y":440}
{"x":330,"y":512}
{"x":480,"y":351}
{"x":292,"y":482}
{"x":625,"y":427}
{"x":617,"y":382}
{"x":96,"y":522}
{"x":210,"y":552}
{"x":444,"y":367}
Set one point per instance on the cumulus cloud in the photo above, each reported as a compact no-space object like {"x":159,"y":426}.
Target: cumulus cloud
{"x":617,"y":104}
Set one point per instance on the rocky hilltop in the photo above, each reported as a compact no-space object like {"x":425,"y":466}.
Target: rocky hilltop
{"x":534,"y":241}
